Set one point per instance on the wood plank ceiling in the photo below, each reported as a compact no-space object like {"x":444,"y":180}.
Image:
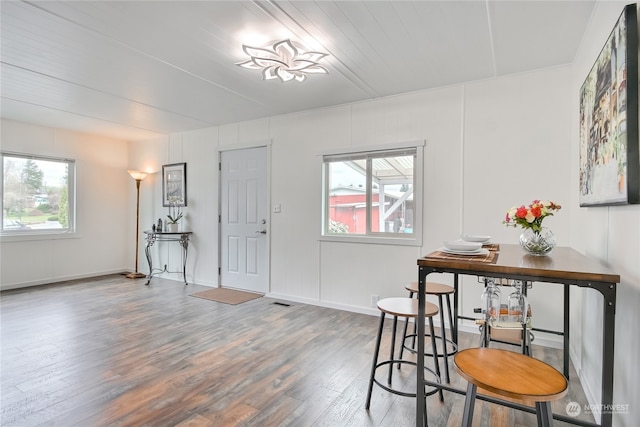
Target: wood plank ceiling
{"x":137,"y":69}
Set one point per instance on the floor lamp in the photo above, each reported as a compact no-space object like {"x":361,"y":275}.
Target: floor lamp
{"x":138,"y":176}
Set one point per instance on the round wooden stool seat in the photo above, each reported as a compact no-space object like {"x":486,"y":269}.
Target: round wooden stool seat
{"x":433,"y":288}
{"x":405,"y":307}
{"x":513,"y":375}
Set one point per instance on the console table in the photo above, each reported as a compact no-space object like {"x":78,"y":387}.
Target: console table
{"x":181,"y":237}
{"x":564,"y":266}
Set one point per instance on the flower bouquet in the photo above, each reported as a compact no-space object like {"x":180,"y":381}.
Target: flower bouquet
{"x":536,"y":239}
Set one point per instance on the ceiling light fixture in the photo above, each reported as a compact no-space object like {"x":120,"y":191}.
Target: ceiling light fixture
{"x":283,"y":60}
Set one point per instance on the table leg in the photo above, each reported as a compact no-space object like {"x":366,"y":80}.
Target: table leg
{"x":565,"y":345}
{"x":147,"y":252}
{"x":454,"y":328}
{"x":184,"y":242}
{"x":421,"y":416}
{"x":608,"y":345}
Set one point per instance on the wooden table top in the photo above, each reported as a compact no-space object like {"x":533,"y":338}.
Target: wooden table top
{"x":562,"y":263}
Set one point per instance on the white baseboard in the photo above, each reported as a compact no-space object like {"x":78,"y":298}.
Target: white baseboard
{"x":344,"y":307}
{"x":50,"y":280}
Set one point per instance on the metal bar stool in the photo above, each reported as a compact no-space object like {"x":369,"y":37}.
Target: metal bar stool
{"x":511,"y":375}
{"x":441,"y":291}
{"x":408,"y":308}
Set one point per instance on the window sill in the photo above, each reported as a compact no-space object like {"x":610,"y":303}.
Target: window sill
{"x":371,"y":240}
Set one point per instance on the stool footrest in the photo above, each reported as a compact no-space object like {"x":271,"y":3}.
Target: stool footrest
{"x":403,"y":393}
{"x":449,"y":342}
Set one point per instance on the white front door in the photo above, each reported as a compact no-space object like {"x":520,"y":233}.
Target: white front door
{"x":243,"y":210}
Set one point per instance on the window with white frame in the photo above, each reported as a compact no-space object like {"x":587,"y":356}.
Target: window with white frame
{"x":38,"y":194}
{"x":373,"y":195}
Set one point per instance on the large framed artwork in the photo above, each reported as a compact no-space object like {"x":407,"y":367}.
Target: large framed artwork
{"x":174,"y":184}
{"x":609,"y":158}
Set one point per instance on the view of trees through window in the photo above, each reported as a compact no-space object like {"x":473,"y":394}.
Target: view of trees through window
{"x":35,"y":193}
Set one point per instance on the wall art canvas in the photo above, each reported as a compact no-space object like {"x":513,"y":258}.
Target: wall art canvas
{"x":609,"y":159}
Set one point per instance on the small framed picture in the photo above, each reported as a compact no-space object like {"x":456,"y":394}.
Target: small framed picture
{"x":174,"y":184}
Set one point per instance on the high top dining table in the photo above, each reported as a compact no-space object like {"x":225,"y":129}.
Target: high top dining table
{"x":564,"y":266}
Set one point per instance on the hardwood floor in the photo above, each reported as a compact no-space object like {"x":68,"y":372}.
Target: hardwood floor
{"x":111,"y":351}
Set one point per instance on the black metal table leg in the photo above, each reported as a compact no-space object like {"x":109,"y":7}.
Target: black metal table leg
{"x":565,"y":340}
{"x":421,"y":412}
{"x":608,"y":344}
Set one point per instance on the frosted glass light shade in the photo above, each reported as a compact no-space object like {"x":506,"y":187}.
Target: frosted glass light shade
{"x":137,"y":175}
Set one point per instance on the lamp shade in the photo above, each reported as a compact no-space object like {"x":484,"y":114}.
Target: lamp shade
{"x":137,"y":175}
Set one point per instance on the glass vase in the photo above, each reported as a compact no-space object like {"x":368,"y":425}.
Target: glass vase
{"x":537,"y":243}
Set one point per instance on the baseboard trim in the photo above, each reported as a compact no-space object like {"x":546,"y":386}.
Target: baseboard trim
{"x":53,"y":280}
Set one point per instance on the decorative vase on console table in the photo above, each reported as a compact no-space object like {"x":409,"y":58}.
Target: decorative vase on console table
{"x":172,"y":227}
{"x":535,"y":239}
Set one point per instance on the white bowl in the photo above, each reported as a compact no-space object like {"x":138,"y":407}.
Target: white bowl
{"x":460,"y":245}
{"x":481,"y":239}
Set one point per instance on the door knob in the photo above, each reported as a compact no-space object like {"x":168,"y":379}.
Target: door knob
{"x":261,"y":232}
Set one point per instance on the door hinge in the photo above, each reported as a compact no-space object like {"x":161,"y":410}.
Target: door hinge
{"x":219,"y":218}
{"x":219,"y":166}
{"x":219,"y":271}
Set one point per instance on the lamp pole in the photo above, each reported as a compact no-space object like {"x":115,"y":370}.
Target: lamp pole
{"x":138,"y":176}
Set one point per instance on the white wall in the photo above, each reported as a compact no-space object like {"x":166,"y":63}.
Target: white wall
{"x":489,"y":145}
{"x":611,"y":234}
{"x":104,"y":241}
{"x":199,"y":150}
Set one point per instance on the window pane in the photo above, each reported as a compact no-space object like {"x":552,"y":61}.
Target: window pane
{"x":392,"y":207}
{"x":373,"y":196}
{"x":347,"y":209}
{"x":35,"y":194}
